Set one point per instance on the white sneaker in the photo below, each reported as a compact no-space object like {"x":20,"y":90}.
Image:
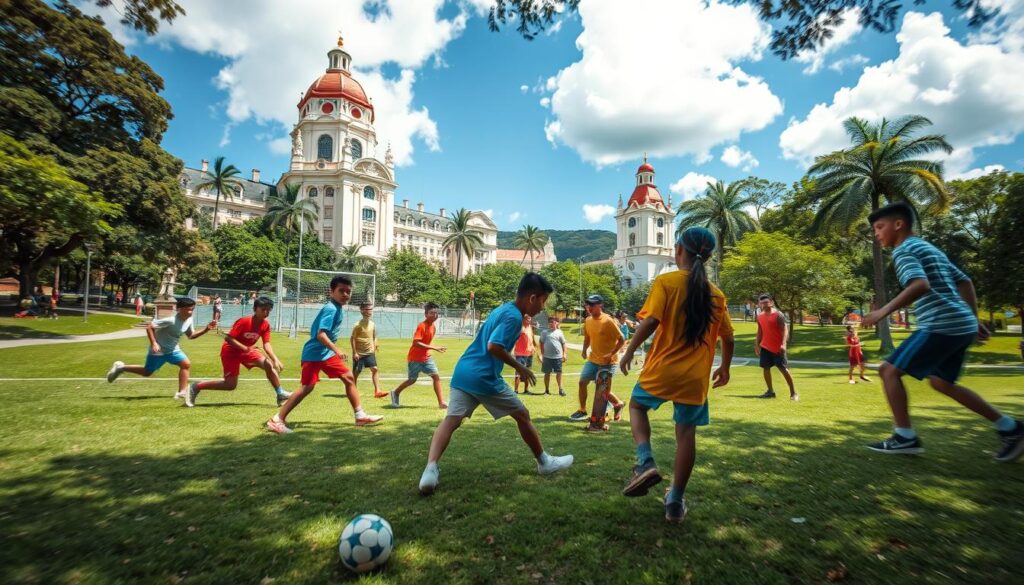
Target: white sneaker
{"x":429,"y":480}
{"x":191,"y":394}
{"x":394,"y":399}
{"x":180,"y":394}
{"x":554,"y":464}
{"x":852,"y":382}
{"x":114,"y":371}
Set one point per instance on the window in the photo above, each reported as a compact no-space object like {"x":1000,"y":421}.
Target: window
{"x":632,"y":239}
{"x":423,"y":223}
{"x":312,"y":192}
{"x":369,"y":215}
{"x":661,"y":222}
{"x":235,"y":213}
{"x":357,"y":149}
{"x":661,"y":238}
{"x":325,"y":147}
{"x":329,"y":192}
{"x":184,"y":181}
{"x":437,"y":225}
{"x":629,"y":283}
{"x":368,"y":193}
{"x":632,"y":222}
{"x":238,"y":191}
{"x":328,"y":236}
{"x":328,"y":212}
{"x":369,"y":237}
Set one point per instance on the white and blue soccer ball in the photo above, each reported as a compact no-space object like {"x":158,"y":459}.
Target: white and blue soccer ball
{"x":366,"y":543}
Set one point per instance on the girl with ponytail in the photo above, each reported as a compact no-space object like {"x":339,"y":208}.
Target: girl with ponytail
{"x":687,"y":316}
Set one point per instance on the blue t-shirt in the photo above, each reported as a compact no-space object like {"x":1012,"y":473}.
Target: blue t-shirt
{"x":477,"y":371}
{"x":941,"y":309}
{"x":329,"y":320}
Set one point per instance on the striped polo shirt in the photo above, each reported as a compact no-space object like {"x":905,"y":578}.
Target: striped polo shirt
{"x":941,"y":309}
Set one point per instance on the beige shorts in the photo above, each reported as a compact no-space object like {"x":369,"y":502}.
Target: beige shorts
{"x":462,"y":403}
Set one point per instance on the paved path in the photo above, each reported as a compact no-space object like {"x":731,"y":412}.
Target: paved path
{"x":125,"y":334}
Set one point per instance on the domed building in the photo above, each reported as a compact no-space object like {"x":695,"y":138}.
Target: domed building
{"x":644,"y":232}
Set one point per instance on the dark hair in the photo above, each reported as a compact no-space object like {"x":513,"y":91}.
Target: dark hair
{"x":620,"y":313}
{"x":365,"y":304}
{"x":849,"y":328}
{"x":429,"y":307}
{"x":185,"y":302}
{"x":901,"y":210}
{"x":698,"y":306}
{"x":262,"y":303}
{"x":534,"y":284}
{"x":340,"y":280}
{"x":554,"y":318}
{"x":765,"y":297}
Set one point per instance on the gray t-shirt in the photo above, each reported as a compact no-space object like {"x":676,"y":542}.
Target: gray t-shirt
{"x":552,"y":342}
{"x":168,"y":330}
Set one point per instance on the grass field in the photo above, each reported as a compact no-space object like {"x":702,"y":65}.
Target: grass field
{"x":70,"y":323}
{"x":117,"y":483}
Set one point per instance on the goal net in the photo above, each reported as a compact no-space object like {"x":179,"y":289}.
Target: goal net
{"x":302,"y":293}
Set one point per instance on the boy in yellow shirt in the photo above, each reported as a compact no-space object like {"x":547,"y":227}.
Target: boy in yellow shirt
{"x":602,"y":336}
{"x":364,"y":348}
{"x":687,"y":315}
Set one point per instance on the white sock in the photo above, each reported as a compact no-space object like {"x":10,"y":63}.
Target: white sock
{"x":544,"y":458}
{"x":360,"y":413}
{"x":432,"y":467}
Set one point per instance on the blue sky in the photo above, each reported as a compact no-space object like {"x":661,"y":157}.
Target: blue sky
{"x":694,"y":85}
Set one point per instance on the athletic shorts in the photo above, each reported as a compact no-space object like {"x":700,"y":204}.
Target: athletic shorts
{"x":856,"y":358}
{"x":526,"y":360}
{"x":155,"y":361}
{"x":549,"y":365}
{"x":416,"y":368}
{"x":233,"y":360}
{"x":592,"y":371}
{"x":504,"y":403}
{"x":690,"y":415}
{"x":365,"y":361}
{"x":333,"y":367}
{"x":925,"y":354}
{"x":770,"y":358}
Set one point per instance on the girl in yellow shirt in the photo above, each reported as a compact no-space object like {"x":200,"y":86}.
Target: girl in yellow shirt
{"x":687,"y":315}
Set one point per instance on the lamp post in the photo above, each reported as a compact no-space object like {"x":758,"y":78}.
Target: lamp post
{"x":88,"y":267}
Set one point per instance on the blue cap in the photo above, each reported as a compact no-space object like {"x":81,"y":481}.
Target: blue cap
{"x":595,"y":300}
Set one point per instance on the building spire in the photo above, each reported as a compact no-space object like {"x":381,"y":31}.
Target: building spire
{"x":341,"y":40}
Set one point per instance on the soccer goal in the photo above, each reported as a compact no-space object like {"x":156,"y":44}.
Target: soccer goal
{"x":301,"y":294}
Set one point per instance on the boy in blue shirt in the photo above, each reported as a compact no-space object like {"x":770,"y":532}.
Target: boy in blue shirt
{"x":320,"y":354}
{"x":477,"y":380}
{"x":946,"y":308}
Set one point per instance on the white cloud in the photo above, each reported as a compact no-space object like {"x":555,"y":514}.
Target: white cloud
{"x":279,"y":48}
{"x":841,"y":35}
{"x":524,"y":88}
{"x":678,"y":91}
{"x":734,"y":157}
{"x":545,"y":102}
{"x":853,"y":61}
{"x":978,"y":172}
{"x":691,"y":185}
{"x":514,"y":216}
{"x":973,"y":93}
{"x":596,"y":213}
{"x":553,"y":29}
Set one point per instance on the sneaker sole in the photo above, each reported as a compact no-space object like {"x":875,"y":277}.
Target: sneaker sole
{"x":641,"y":484}
{"x":426,"y":490}
{"x":368,"y":423}
{"x":679,"y":520}
{"x":908,"y":451}
{"x":1012,"y":455}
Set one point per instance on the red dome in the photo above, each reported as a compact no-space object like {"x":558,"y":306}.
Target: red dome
{"x":645,"y":168}
{"x":337,"y":83}
{"x":645,"y":195}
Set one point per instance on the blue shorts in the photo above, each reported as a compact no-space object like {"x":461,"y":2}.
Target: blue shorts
{"x":368,"y":360}
{"x":925,"y":354}
{"x":416,"y":368}
{"x":683,"y":414}
{"x":591,"y":371}
{"x":156,"y":361}
{"x":526,"y":360}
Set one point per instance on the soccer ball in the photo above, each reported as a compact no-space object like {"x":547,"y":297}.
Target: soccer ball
{"x":366,"y":543}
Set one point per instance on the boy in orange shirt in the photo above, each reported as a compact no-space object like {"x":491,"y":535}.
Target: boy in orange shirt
{"x":419,"y":358}
{"x":602,"y":336}
{"x":524,"y":350}
{"x":687,"y":315}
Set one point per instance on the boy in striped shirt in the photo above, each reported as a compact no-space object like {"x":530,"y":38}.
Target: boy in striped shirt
{"x":946,"y":307}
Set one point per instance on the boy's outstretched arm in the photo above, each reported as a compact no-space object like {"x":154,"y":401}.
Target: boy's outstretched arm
{"x":966,"y":289}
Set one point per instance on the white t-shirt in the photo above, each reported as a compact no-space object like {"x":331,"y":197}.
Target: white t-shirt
{"x":168,"y":330}
{"x":552,"y":342}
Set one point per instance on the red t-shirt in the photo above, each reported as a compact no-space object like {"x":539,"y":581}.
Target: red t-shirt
{"x":424,"y":334}
{"x":854,"y":343}
{"x":524,"y":345}
{"x":771,"y":325}
{"x":244,"y":332}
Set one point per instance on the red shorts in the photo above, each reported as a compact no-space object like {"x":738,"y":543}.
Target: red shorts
{"x":856,"y":358}
{"x":233,"y":360}
{"x":333,"y":367}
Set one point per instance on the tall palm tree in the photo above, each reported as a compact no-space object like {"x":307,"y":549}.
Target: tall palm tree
{"x":349,"y":259}
{"x":883,"y":164}
{"x":286,"y":209}
{"x":222,"y":181}
{"x":464,"y":239}
{"x":721,"y":210}
{"x":531,"y":240}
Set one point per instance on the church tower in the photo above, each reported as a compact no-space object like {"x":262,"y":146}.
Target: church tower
{"x":336,"y":161}
{"x":644,"y":229}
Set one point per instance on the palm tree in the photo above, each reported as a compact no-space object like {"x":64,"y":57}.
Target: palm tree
{"x":883,"y":164}
{"x":721,"y":210}
{"x":350,"y":259}
{"x":464,"y":239}
{"x":531,"y":240}
{"x":287,"y":210}
{"x":222,"y":181}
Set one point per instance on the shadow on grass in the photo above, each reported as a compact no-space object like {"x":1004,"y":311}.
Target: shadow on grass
{"x":10,"y":331}
{"x":235,"y":510}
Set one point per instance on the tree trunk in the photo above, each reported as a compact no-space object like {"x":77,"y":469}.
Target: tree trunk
{"x":720,"y":255}
{"x":26,"y":280}
{"x":884,"y":335}
{"x":216,"y":209}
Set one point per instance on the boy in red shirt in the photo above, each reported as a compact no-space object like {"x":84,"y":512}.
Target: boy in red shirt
{"x":772,"y":335}
{"x":419,"y":357}
{"x":239,"y":350}
{"x":524,"y":350}
{"x":856,"y":353}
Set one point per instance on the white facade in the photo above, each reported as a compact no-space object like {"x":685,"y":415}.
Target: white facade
{"x":644,"y":245}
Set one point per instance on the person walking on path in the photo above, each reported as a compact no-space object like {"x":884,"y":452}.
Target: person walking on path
{"x":772,"y":337}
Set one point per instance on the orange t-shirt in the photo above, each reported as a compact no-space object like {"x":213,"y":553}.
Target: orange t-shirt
{"x":771,"y":325}
{"x":673,"y":370}
{"x":424,"y":334}
{"x":604,"y":334}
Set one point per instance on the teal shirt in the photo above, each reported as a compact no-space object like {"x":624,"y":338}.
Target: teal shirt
{"x":941,"y":309}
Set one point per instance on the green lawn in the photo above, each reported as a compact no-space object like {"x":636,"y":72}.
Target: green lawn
{"x":118,"y":484}
{"x":70,"y":323}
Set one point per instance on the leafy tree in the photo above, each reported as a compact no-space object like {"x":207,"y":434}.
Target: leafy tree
{"x":572,"y":244}
{"x":762,"y":193}
{"x":1003,"y":262}
{"x":494,"y":284}
{"x":199,"y":265}
{"x":882,"y":164}
{"x":721,"y":210}
{"x":222,"y":181}
{"x":408,"y":279}
{"x":531,"y":240}
{"x":604,"y":280}
{"x":44,"y":213}
{"x":144,"y":14}
{"x":633,"y":299}
{"x":464,"y":239}
{"x":289,"y":212}
{"x":245,"y":260}
{"x":351,"y":259}
{"x":564,"y":275}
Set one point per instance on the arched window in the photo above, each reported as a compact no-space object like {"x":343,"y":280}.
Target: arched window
{"x":632,"y":239}
{"x":661,"y":222}
{"x":329,"y":192}
{"x":357,"y":149}
{"x":369,"y":215}
{"x":423,"y":223}
{"x":368,"y":193}
{"x":632,"y":222}
{"x":312,"y":192}
{"x":238,"y":191}
{"x":661,"y":238}
{"x":184,"y":181}
{"x":325,"y":147}
{"x":437,"y":225}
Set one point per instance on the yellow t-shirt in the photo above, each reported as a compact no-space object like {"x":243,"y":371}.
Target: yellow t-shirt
{"x":363,"y":333}
{"x":674,"y":371}
{"x":604,"y":334}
